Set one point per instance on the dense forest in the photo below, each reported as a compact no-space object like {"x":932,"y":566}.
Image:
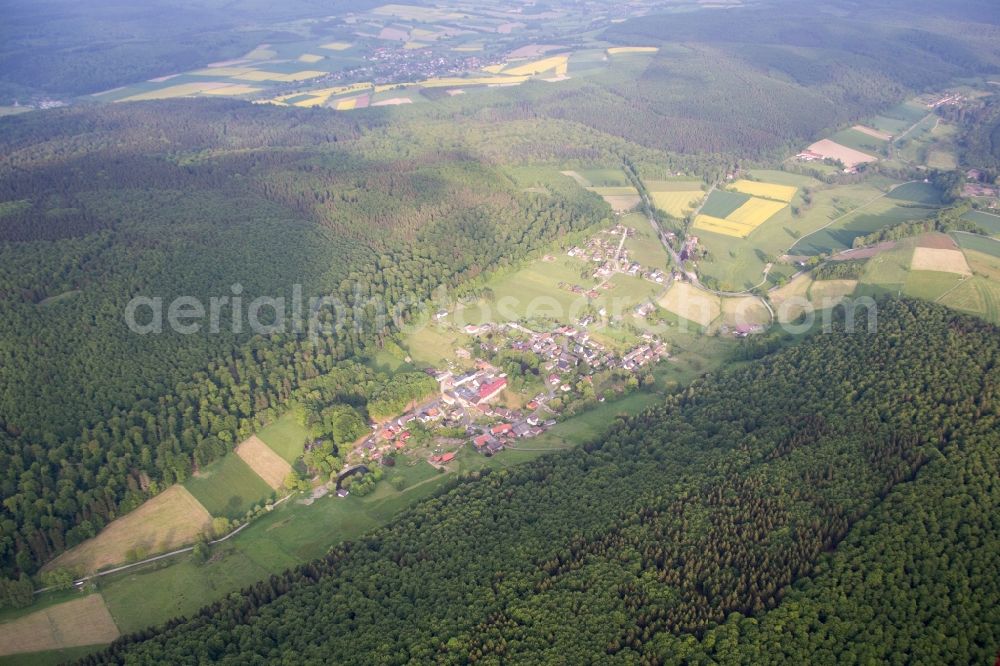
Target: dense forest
{"x":834,"y":502}
{"x":209,"y":199}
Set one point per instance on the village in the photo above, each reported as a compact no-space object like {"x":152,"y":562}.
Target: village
{"x":474,"y":406}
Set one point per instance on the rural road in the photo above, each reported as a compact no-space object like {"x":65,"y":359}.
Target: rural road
{"x":691,"y":276}
{"x":162,"y":556}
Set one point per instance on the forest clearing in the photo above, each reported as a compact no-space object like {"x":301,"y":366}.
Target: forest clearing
{"x":169,"y":520}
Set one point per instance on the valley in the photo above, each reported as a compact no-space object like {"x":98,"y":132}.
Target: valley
{"x":661,"y":332}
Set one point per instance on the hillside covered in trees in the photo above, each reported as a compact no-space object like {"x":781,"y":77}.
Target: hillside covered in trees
{"x":212,"y":199}
{"x":835,"y":502}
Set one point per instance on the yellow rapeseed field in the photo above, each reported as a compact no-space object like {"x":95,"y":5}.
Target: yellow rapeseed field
{"x":766,"y":190}
{"x":557,"y":63}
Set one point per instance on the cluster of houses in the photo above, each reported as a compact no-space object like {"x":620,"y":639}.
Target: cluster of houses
{"x":468,"y":399}
{"x":562,"y":350}
{"x":606,"y":249}
{"x":474,"y":388}
{"x":514,"y":424}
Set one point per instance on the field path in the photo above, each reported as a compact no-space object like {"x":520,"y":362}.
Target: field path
{"x":163,"y":556}
{"x":691,"y":276}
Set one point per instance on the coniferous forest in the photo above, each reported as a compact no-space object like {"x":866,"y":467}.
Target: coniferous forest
{"x":830,"y":498}
{"x":834,"y":503}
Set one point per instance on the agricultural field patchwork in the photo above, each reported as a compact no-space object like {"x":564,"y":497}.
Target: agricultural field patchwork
{"x":766,"y":190}
{"x":862,"y":142}
{"x":930,"y":285}
{"x":619,"y":198}
{"x":741,"y":312}
{"x":692,"y":304}
{"x":849,"y":157}
{"x":743,"y":220}
{"x":676,"y":198}
{"x":721,"y":204}
{"x":977,"y":296}
{"x":556,"y":64}
{"x":172,"y":519}
{"x":228,"y":487}
{"x":69,"y":624}
{"x":984,"y":244}
{"x":266,"y":463}
{"x":286,"y":437}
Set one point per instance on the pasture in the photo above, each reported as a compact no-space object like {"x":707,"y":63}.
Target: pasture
{"x":983,"y":264}
{"x":434,"y":345}
{"x":604,"y":177}
{"x":84,"y":621}
{"x":534,"y":292}
{"x":267,"y":464}
{"x":899,"y":118}
{"x":827,"y":293}
{"x":868,"y":218}
{"x":984,"y":244}
{"x":766,"y":190}
{"x":917,"y":192}
{"x":791,"y":299}
{"x":690,"y":303}
{"x":644,"y":247}
{"x":744,"y":311}
{"x":861,"y":141}
{"x":975,"y":295}
{"x":286,"y":437}
{"x":930,"y":285}
{"x":228,"y":487}
{"x":988,"y":222}
{"x":170,"y":520}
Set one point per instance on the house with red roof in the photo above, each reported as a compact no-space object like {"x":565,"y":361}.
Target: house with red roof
{"x":492,"y":389}
{"x":502,"y":429}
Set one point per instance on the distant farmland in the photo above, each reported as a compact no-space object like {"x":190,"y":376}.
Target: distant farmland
{"x":848,"y":156}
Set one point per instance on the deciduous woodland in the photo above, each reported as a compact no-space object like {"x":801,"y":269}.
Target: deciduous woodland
{"x":841,"y":493}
